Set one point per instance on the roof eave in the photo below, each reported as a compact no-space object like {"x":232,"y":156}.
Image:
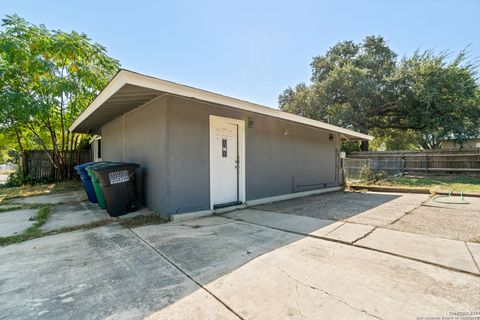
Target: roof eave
{"x":124,"y":77}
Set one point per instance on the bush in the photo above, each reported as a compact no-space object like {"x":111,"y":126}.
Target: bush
{"x":15,"y":179}
{"x":380,"y":175}
{"x":368,"y":175}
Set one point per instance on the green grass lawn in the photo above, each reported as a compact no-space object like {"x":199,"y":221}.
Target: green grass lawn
{"x":38,"y":189}
{"x":435,"y":183}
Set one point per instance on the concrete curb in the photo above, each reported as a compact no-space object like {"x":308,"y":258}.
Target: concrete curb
{"x":391,"y":189}
{"x":411,"y":190}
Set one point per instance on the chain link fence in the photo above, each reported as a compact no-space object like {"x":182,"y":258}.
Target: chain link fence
{"x":353,"y":167}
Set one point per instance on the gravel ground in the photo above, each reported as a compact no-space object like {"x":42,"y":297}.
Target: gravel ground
{"x":441,"y":222}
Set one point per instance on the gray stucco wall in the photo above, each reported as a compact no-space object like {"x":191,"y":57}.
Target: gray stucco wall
{"x":140,"y":137}
{"x":112,"y":140}
{"x":169,"y":138}
{"x":145,"y":144}
{"x":275,"y":163}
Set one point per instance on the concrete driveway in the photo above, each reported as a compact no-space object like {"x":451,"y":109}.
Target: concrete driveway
{"x":332,"y":256}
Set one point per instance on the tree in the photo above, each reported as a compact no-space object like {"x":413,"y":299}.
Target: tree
{"x":363,"y":87}
{"x":47,"y":77}
{"x":350,"y":85}
{"x":437,"y":98}
{"x":394,"y":139}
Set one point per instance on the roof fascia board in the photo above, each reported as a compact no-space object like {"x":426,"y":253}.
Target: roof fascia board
{"x":125,"y":76}
{"x":182,"y":90}
{"x":113,"y":86}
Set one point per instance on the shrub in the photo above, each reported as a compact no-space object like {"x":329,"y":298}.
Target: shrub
{"x":15,"y":179}
{"x":366,"y":174}
{"x":380,"y":175}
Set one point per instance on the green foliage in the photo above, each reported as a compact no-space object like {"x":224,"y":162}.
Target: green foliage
{"x":394,"y":139}
{"x":367,"y":175}
{"x":15,"y":179}
{"x":349,"y":85}
{"x":350,"y":146}
{"x":437,"y":98}
{"x":412,"y":102}
{"x":47,"y":77}
{"x":380,"y":175}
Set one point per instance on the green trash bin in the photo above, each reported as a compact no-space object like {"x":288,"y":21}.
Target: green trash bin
{"x":96,"y":184}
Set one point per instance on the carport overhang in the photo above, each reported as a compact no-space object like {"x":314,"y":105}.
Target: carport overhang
{"x":130,"y":90}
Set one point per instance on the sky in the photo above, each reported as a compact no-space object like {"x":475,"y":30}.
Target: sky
{"x":251,"y":50}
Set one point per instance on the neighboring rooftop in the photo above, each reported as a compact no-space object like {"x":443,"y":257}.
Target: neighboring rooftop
{"x":129,"y":90}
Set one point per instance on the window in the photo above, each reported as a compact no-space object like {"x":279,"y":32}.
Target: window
{"x":99,"y":148}
{"x":224,"y":148}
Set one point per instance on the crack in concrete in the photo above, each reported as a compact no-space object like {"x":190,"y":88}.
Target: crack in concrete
{"x":422,"y":203}
{"x":198,"y":226}
{"x":311,"y":274}
{"x":357,"y":246}
{"x":471,"y":255}
{"x":298,"y":302}
{"x":343,"y":223}
{"x":200,"y":285}
{"x":318,"y":289}
{"x":364,"y":236}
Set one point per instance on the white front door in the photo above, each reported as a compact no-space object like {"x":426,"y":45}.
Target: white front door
{"x":224,"y":161}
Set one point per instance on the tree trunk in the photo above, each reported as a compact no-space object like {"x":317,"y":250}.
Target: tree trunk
{"x":44,"y":146}
{"x":21,"y":156}
{"x":364,"y":145}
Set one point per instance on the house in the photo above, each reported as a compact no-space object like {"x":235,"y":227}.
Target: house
{"x":473,"y":142}
{"x":96,"y":147}
{"x":200,"y":150}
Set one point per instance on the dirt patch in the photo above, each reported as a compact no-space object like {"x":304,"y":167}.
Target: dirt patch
{"x":441,"y":222}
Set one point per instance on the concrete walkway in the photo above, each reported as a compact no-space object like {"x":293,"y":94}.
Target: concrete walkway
{"x":314,"y":277}
{"x":69,"y":209}
{"x":16,"y":221}
{"x":102,"y":273}
{"x":450,"y":223}
{"x":66,"y":197}
{"x":247,"y":264}
{"x":445,"y":252}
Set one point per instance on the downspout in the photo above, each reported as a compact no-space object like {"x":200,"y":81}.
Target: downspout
{"x":123,"y":137}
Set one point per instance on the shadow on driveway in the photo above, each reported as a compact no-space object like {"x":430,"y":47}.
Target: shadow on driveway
{"x":220,"y":268}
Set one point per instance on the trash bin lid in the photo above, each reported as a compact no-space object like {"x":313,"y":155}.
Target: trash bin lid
{"x":115,"y":173}
{"x":116,"y":166}
{"x":84,"y":165}
{"x":99,"y":164}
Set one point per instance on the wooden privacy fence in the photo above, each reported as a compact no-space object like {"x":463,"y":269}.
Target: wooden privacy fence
{"x":444,"y":161}
{"x":37,"y":166}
